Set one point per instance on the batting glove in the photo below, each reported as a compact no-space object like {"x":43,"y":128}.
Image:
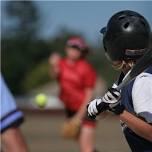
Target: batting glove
{"x":110,"y":101}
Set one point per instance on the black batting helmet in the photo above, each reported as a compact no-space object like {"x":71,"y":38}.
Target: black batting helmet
{"x":126,"y":36}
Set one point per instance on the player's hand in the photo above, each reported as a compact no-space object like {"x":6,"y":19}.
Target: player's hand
{"x":110,"y":101}
{"x":54,"y":59}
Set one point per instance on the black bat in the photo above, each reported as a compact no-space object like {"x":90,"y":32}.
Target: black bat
{"x":142,"y":64}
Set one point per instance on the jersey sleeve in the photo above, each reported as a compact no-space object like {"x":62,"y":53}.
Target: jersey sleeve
{"x":90,"y":77}
{"x":142,"y":96}
{"x":10,"y":115}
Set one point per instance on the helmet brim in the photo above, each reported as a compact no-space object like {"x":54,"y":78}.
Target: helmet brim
{"x":103,"y":30}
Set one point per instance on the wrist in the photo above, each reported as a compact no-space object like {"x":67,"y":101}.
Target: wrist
{"x":123,"y":114}
{"x":118,"y":110}
{"x":55,"y":66}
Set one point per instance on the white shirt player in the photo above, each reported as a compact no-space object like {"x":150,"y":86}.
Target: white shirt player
{"x":142,"y":96}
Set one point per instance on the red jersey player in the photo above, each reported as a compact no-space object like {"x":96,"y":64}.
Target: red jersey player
{"x":76,"y":78}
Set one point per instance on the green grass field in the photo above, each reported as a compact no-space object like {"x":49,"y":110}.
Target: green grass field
{"x":42,"y":133}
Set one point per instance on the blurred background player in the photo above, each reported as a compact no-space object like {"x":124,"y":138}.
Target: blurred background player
{"x":11,"y":118}
{"x":126,"y":39}
{"x":77,"y":79}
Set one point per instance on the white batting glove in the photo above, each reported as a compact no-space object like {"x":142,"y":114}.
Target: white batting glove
{"x":92,"y":107}
{"x":110,"y":100}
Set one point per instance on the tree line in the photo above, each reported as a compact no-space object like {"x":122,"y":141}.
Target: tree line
{"x":24,"y":55}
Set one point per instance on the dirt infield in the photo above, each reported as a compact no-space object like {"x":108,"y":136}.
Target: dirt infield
{"x":42,"y":133}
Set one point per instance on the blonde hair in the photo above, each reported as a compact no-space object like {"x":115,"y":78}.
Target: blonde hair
{"x":123,"y":64}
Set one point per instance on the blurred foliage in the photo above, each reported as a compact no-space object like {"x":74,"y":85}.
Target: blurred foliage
{"x":21,"y":50}
{"x":103,"y":66}
{"x":37,"y":76}
{"x":26,"y":16}
{"x":24,"y":55}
